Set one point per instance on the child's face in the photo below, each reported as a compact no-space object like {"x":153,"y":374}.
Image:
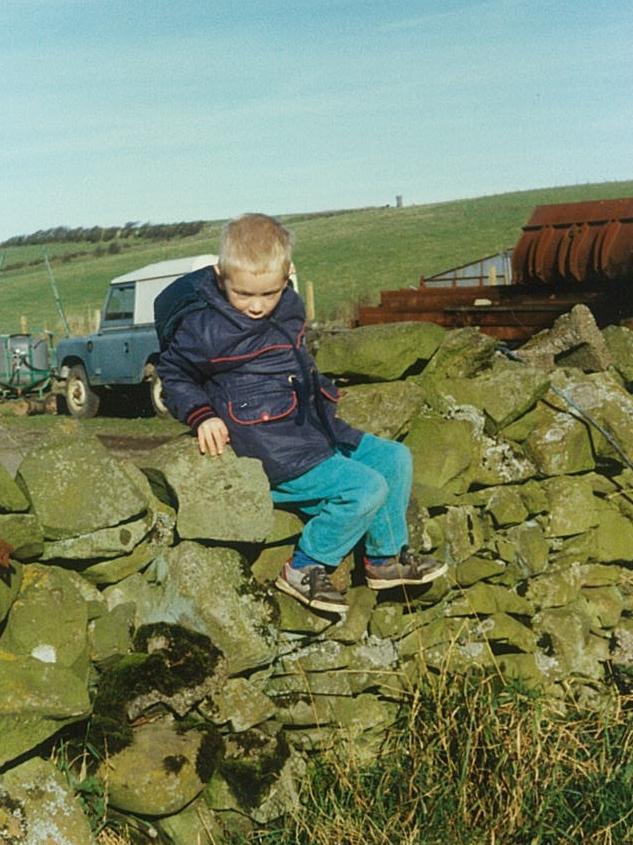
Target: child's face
{"x":255,"y":295}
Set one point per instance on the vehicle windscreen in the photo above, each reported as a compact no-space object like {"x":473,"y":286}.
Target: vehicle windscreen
{"x":120,"y":304}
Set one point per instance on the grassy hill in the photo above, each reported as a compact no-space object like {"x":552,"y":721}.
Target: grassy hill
{"x":349,"y":255}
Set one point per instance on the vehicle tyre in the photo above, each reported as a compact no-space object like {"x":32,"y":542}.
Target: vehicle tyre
{"x":81,"y":399}
{"x":156,"y":397}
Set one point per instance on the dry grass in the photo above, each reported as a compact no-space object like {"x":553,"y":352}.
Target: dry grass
{"x":472,"y":763}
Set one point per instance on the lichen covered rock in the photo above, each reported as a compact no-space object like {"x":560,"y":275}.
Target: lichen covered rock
{"x":223,"y":498}
{"x":76,"y":487}
{"x":38,"y":807}
{"x":378,"y":353}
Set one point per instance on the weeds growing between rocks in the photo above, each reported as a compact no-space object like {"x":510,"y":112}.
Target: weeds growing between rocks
{"x":471,"y":762}
{"x":475,"y":764}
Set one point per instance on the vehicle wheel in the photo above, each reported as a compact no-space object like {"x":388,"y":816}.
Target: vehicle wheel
{"x":156,"y":397}
{"x":81,"y":399}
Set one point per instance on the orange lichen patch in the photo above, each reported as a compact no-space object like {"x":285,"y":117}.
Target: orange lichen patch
{"x":5,"y":554}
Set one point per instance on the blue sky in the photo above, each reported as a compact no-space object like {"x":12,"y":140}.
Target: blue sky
{"x":117,"y":110}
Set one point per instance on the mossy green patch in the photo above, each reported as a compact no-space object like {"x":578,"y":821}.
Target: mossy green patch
{"x":261,"y":760}
{"x":167,"y":658}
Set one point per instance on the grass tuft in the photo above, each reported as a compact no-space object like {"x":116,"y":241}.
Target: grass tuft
{"x":475,"y":763}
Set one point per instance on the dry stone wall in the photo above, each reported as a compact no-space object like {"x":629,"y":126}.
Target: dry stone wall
{"x":136,"y":602}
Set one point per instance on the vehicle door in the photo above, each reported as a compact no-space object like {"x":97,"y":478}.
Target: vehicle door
{"x":113,"y":350}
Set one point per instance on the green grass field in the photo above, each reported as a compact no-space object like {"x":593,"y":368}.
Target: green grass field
{"x":348,"y":255}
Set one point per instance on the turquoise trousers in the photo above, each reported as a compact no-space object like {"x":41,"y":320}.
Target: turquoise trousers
{"x":363,"y":493}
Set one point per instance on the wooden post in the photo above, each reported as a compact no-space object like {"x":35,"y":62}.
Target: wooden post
{"x":24,"y":325}
{"x":310,"y":310}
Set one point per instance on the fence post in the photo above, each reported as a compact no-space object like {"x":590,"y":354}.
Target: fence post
{"x":310,"y":310}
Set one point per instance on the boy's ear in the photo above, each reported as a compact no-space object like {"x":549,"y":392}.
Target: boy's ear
{"x":218,"y":276}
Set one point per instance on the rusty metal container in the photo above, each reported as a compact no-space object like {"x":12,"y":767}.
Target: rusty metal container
{"x":569,"y":253}
{"x":586,"y":243}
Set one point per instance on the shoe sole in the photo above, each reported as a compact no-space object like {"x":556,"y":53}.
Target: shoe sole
{"x":332,"y":607}
{"x":386,"y":583}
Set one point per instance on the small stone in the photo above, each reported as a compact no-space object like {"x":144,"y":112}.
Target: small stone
{"x":526,"y":546}
{"x":111,"y":634}
{"x":196,"y":824}
{"x":354,"y":624}
{"x":573,"y":341}
{"x":572,"y":506}
{"x":475,"y":569}
{"x":619,"y":340}
{"x":279,"y":546}
{"x":568,"y":631}
{"x":295,"y":616}
{"x":607,"y":604}
{"x":489,"y":599}
{"x":12,"y":499}
{"x":554,"y":589}
{"x":23,"y":532}
{"x":38,"y":699}
{"x":242,"y":704}
{"x":462,"y":354}
{"x":49,"y":616}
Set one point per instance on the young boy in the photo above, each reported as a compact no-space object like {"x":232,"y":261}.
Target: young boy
{"x":239,"y":372}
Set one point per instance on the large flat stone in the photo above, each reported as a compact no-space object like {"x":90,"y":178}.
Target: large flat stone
{"x":77,"y":486}
{"x":222,"y":498}
{"x":378,"y":353}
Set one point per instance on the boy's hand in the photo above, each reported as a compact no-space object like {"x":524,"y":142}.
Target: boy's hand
{"x":213,"y":435}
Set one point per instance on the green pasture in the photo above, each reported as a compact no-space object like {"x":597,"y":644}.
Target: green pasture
{"x":350,"y":256}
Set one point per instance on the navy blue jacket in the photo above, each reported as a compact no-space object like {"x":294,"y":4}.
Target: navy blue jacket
{"x":258,"y":376}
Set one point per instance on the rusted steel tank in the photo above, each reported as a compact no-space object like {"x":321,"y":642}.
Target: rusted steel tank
{"x":587,"y":243}
{"x":569,"y":253}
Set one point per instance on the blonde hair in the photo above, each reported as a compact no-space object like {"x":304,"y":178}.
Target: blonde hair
{"x":255,"y":243}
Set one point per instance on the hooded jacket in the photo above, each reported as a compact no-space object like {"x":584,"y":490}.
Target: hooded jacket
{"x":258,"y":376}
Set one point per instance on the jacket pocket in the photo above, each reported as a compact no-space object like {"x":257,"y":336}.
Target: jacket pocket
{"x":328,"y":388}
{"x":253,"y":410}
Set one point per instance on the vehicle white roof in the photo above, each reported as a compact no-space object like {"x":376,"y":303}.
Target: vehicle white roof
{"x":172,"y":268}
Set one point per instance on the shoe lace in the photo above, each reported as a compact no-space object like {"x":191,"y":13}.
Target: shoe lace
{"x":407,"y":557}
{"x":318,"y":580}
{"x":417,"y":561}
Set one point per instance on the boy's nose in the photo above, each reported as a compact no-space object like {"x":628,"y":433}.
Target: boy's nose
{"x":256,"y":306}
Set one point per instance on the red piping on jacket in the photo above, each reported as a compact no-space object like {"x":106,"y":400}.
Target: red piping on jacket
{"x":250,"y":354}
{"x":264,"y":417}
{"x":331,"y":396}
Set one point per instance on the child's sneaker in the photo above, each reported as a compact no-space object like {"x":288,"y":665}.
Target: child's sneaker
{"x":406,"y":568}
{"x":312,"y":586}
